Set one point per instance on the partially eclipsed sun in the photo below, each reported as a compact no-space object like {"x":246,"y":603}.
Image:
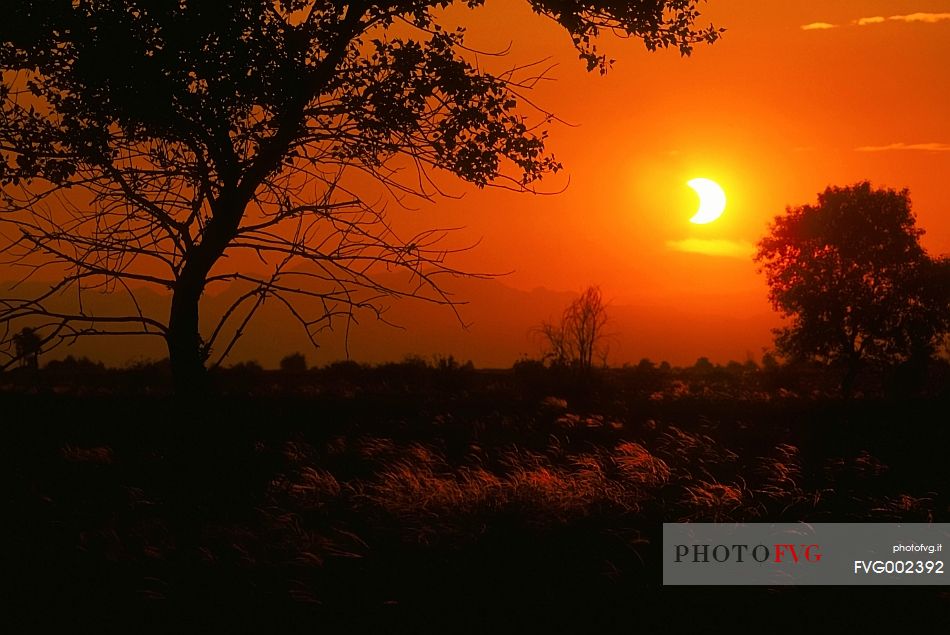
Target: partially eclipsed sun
{"x":712,"y":201}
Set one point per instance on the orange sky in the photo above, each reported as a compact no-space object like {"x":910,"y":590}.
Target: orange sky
{"x":774,"y":112}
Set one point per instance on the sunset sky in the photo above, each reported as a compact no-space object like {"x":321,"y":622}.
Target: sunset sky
{"x":774,"y":112}
{"x":796,"y":96}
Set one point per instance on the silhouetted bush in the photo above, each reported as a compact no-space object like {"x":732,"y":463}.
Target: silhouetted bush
{"x":160,"y":366}
{"x":75,"y":365}
{"x":294,"y":363}
{"x":250,"y":367}
{"x":346,"y":369}
{"x":646,"y":366}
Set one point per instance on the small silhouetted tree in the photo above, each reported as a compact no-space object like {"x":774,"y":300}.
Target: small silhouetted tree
{"x":579,"y":337}
{"x":28,"y":345}
{"x":294,"y":363}
{"x":852,"y":278}
{"x":144,"y":141}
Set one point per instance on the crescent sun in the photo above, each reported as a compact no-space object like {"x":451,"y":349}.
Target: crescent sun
{"x":712,"y":201}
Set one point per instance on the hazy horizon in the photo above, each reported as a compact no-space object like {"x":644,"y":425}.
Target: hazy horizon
{"x":500,"y":330}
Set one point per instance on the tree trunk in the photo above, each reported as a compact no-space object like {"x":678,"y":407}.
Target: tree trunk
{"x":186,"y":350}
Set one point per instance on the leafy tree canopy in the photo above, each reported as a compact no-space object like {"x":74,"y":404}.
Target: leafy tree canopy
{"x":854,"y":281}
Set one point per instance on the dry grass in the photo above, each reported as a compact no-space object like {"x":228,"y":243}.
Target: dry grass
{"x":779,"y":475}
{"x":96,"y":455}
{"x":716,"y":502}
{"x":416,"y":491}
{"x":638,"y":466}
{"x":413,"y":488}
{"x":691,"y":452}
{"x":458,"y":487}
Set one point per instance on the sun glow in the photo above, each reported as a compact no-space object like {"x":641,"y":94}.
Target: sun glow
{"x":712,"y":201}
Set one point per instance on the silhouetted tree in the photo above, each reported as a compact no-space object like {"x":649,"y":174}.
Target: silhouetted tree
{"x":142,"y":141}
{"x":28,"y":344}
{"x":853,"y":279}
{"x":579,"y":336}
{"x":294,"y":363}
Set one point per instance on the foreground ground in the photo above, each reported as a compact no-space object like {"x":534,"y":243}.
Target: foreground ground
{"x":459,"y":505}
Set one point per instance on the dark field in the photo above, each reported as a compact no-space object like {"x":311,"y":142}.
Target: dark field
{"x":452,"y":499}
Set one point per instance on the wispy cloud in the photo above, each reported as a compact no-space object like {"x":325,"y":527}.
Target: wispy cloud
{"x":926,"y":18}
{"x":925,"y":147}
{"x":929,"y":18}
{"x":726,"y":248}
{"x":819,"y":26}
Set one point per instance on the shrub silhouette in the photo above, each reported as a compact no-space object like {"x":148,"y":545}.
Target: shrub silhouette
{"x":28,"y":345}
{"x":294,"y":363}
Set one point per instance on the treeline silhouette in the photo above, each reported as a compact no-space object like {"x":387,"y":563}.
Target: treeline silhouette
{"x":533,"y":378}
